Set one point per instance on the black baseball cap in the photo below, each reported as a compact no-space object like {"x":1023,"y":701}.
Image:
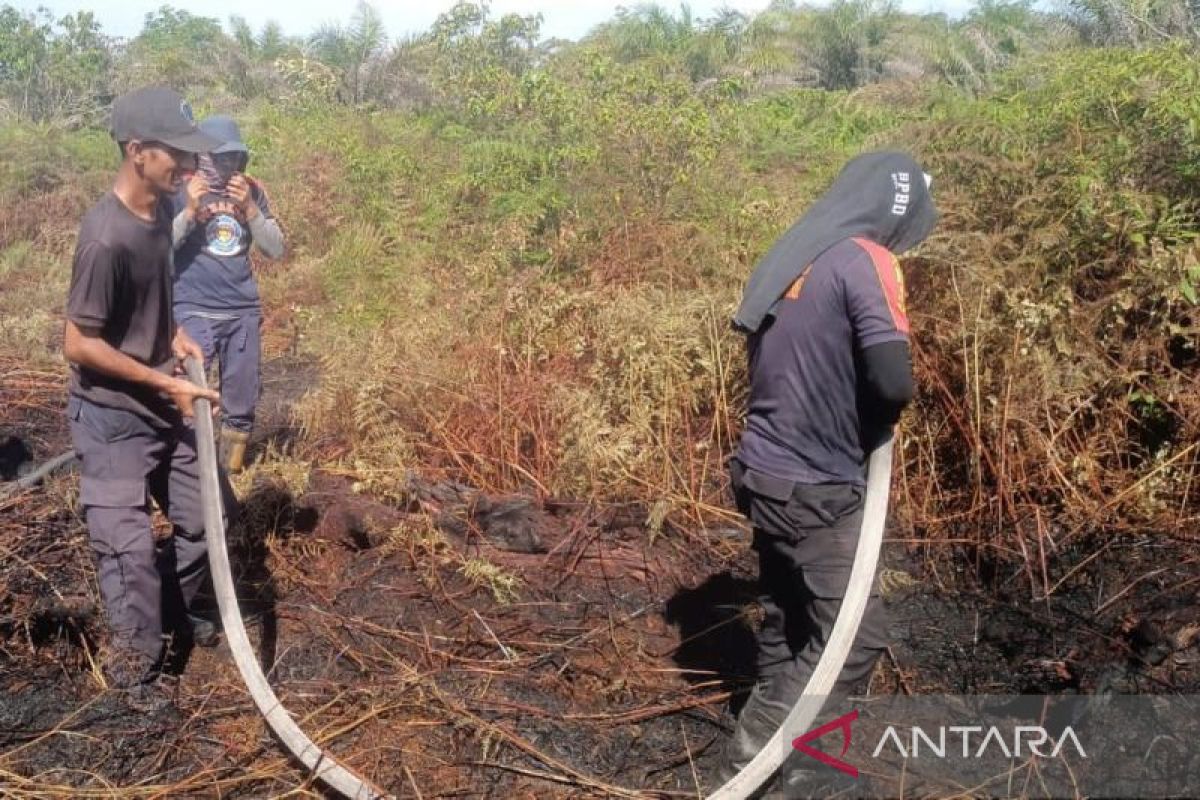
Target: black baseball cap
{"x":159,"y":114}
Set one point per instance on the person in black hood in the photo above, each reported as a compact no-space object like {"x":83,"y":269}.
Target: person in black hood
{"x":830,"y":372}
{"x":882,"y":197}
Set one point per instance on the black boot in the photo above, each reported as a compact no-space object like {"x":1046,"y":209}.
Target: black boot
{"x":757,"y":723}
{"x":205,"y":632}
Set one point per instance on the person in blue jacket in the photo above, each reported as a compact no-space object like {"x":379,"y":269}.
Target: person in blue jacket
{"x":219,"y":214}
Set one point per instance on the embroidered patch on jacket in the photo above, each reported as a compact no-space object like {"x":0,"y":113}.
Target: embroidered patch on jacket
{"x":224,"y":234}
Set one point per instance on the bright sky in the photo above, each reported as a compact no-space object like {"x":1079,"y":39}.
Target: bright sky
{"x":568,"y":20}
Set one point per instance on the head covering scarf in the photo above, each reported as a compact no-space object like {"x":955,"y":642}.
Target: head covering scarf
{"x":883,"y":197}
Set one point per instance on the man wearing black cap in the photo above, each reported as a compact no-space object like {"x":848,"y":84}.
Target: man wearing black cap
{"x":127,"y":403}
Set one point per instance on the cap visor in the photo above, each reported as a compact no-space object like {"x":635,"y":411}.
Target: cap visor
{"x":195,"y":142}
{"x":231,"y":147}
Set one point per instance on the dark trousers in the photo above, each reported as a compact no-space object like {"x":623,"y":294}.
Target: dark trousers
{"x":805,"y":548}
{"x":233,"y":344}
{"x":805,"y":552}
{"x":147,"y":586}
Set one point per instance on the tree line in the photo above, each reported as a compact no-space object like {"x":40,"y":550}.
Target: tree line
{"x":66,"y":70}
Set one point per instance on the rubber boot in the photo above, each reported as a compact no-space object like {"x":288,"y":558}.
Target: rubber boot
{"x":234,"y":442}
{"x":205,"y":632}
{"x":757,"y":723}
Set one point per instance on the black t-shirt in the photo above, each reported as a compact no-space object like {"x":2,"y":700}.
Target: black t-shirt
{"x":121,"y":285}
{"x":803,"y":423}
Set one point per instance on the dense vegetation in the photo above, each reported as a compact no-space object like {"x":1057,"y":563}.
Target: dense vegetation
{"x":517,"y":258}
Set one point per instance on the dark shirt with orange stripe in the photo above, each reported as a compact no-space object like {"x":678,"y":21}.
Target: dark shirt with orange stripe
{"x":810,"y":409}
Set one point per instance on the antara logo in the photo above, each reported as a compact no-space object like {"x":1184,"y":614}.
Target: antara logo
{"x":1025,"y":739}
{"x":1034,"y":737}
{"x":842,"y":723}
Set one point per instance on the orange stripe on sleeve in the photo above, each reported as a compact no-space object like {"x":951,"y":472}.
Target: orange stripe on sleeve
{"x":891,"y":280}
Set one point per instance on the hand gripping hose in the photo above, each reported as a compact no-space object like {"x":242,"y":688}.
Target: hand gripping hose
{"x":845,"y":629}
{"x":323,"y":766}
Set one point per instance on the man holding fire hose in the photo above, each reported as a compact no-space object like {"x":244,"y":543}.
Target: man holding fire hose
{"x":830,"y":372}
{"x":127,"y":405}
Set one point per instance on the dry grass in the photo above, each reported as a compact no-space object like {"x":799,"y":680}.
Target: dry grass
{"x":591,"y":359}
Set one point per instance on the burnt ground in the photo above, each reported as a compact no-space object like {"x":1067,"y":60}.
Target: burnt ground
{"x":460,"y":645}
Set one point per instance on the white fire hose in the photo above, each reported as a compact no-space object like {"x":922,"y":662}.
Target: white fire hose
{"x":845,"y":629}
{"x":322,"y":765}
{"x":327,"y":769}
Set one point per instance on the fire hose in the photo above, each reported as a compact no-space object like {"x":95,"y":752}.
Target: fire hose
{"x":754,"y":775}
{"x":38,"y":475}
{"x":858,"y":591}
{"x":322,"y":765}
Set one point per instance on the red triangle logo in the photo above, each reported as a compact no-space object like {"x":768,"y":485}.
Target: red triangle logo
{"x":842,"y":723}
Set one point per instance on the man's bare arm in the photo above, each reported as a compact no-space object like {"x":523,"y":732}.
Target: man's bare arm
{"x":85,"y":347}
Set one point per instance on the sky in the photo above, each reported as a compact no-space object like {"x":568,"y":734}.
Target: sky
{"x":567,"y":20}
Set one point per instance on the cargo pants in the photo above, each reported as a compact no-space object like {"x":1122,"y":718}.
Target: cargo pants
{"x":232,"y":341}
{"x":147,"y":586}
{"x":805,"y":547}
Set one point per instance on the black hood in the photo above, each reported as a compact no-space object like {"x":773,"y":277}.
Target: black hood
{"x":878,"y":196}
